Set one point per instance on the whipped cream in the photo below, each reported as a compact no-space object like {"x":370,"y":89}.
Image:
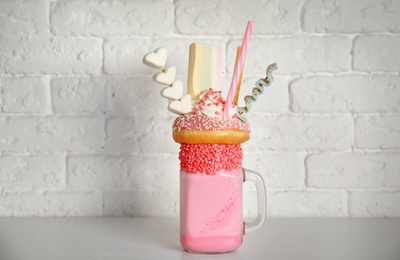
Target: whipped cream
{"x":211,"y":103}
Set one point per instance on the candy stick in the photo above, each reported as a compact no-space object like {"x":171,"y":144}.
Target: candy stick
{"x":238,"y":68}
{"x":179,"y":103}
{"x":236,"y":97}
{"x":257,"y":91}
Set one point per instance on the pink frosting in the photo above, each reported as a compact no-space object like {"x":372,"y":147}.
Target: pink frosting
{"x":207,"y":115}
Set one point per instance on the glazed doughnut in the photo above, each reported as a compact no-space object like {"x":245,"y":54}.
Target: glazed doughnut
{"x":200,"y":129}
{"x":204,"y":125}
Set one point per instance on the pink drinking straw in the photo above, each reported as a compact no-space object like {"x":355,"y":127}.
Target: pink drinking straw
{"x":238,"y":69}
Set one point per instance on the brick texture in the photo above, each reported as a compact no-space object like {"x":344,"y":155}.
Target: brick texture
{"x":295,"y":54}
{"x":295,"y":132}
{"x":388,"y":58}
{"x":116,"y":18}
{"x":27,"y":95}
{"x":353,"y":170}
{"x":278,"y":17}
{"x":346,"y":94}
{"x":307,"y":204}
{"x":29,"y":18}
{"x":378,"y":132}
{"x":85,"y":132}
{"x":58,"y":204}
{"x":32,"y":172}
{"x":123,"y":173}
{"x":128,"y":204}
{"x":351,"y":16}
{"x":281,"y":170}
{"x":51,"y":134}
{"x":374,"y":204}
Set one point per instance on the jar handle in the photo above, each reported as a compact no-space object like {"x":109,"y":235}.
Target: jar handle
{"x":253,"y":176}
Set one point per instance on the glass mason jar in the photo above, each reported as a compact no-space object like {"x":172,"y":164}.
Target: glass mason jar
{"x":211,"y":208}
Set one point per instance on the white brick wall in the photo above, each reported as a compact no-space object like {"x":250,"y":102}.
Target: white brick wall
{"x":84,"y":131}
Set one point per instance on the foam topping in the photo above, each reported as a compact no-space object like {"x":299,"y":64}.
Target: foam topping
{"x":211,"y":103}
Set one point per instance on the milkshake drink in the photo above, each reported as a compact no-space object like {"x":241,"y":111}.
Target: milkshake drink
{"x":211,"y":211}
{"x":210,"y":130}
{"x":211,"y":176}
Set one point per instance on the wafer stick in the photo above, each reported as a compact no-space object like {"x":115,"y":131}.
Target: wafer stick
{"x":236,"y":97}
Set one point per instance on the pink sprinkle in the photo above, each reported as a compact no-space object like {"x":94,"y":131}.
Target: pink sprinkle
{"x":199,"y":121}
{"x":210,"y":158}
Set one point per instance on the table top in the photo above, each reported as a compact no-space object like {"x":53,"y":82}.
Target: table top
{"x":158,"y":238}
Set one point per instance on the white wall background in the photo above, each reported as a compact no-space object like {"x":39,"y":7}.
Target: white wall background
{"x":84,"y":131}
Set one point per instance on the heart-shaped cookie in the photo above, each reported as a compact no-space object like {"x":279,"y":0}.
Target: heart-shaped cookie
{"x":182,"y":106}
{"x":167,"y":77}
{"x":174,"y":92}
{"x":156,"y":59}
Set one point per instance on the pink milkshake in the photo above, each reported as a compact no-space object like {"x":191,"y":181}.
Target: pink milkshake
{"x":210,"y":130}
{"x":211,"y":211}
{"x":211,"y":197}
{"x":211,"y":177}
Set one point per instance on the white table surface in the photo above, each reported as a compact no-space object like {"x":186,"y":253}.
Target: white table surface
{"x":158,"y":238}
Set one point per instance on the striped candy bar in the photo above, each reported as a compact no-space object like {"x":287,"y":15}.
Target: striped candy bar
{"x":205,"y":68}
